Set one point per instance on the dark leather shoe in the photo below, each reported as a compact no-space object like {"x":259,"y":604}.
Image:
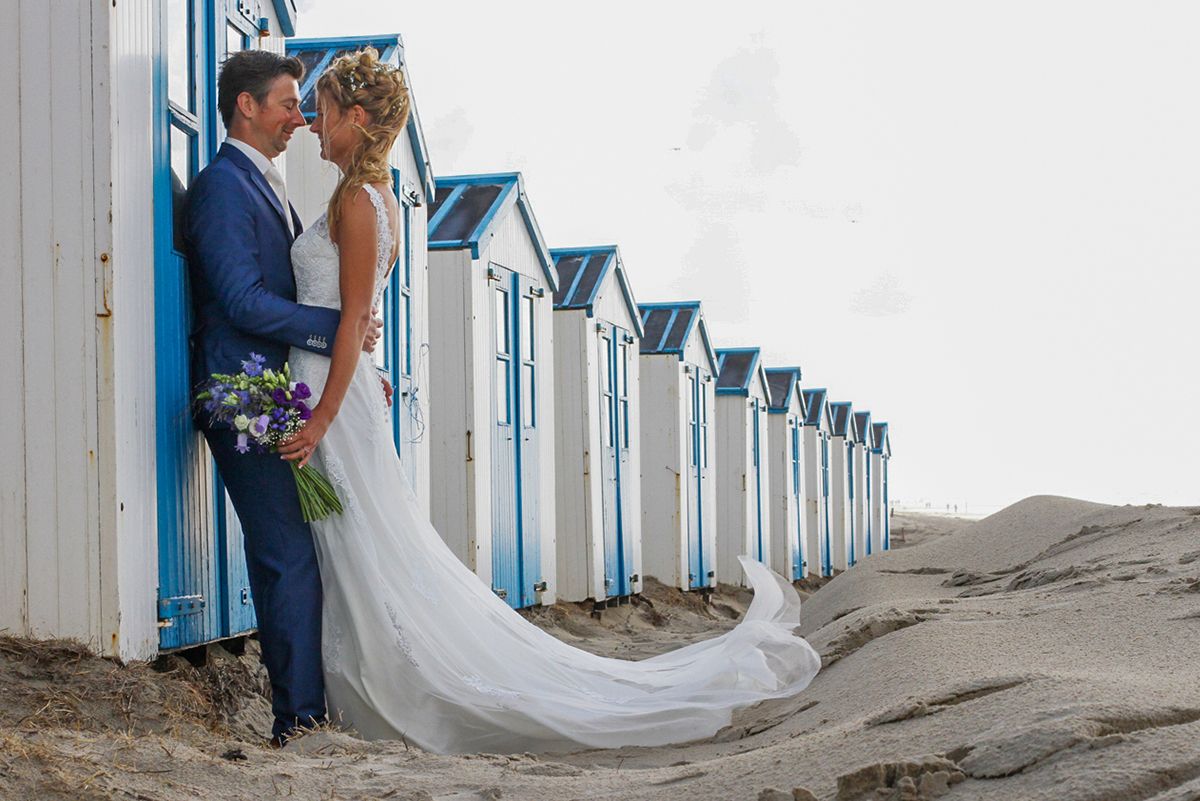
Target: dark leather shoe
{"x":278,"y":741}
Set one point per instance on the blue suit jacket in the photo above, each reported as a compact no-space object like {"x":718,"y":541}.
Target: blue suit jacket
{"x":239,"y":262}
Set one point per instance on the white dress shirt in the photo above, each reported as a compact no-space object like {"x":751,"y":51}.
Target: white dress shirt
{"x":270,"y":172}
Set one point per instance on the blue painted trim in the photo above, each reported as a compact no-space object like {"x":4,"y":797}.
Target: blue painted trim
{"x":310,"y":80}
{"x":479,"y":178}
{"x":441,"y":215}
{"x":744,"y":389}
{"x":481,"y":229}
{"x":285,"y":10}
{"x":609,"y":260}
{"x":667,"y":332}
{"x":539,"y":241}
{"x":574,"y":284}
{"x":792,"y":386}
{"x":345,"y":42}
{"x":558,"y":253}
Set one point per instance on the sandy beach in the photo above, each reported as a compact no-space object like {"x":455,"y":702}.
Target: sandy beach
{"x":1050,"y":651}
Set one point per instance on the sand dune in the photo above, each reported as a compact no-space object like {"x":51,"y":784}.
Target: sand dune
{"x":1050,"y":651}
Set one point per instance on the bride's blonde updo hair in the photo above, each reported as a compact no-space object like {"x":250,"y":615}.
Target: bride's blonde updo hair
{"x":361,"y":79}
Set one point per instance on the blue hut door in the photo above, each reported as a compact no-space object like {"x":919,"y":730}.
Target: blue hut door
{"x":613,"y":367}
{"x":516,"y":557}
{"x":826,"y":543}
{"x":756,"y":487}
{"x":201,"y":571}
{"x":699,"y":573}
{"x":394,"y":357}
{"x":850,"y":496}
{"x":867,"y":499}
{"x":799,"y":562}
{"x":887,"y":522}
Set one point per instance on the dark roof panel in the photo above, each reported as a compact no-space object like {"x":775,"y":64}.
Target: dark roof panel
{"x":839,"y":414}
{"x":781,"y":384}
{"x":467,"y":212}
{"x":568,"y":268}
{"x":735,"y":366}
{"x":654,"y":321}
{"x":683,"y":321}
{"x":440,"y":195}
{"x":862,"y":426}
{"x":588,"y":281}
{"x":814,"y":402}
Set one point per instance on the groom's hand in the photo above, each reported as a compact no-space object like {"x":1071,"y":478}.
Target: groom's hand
{"x":388,"y":391}
{"x":374,"y":331}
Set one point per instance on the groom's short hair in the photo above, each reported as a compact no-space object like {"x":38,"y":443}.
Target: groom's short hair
{"x":252,"y":71}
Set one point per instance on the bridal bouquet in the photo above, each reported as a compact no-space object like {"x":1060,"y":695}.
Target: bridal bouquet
{"x":266,"y":408}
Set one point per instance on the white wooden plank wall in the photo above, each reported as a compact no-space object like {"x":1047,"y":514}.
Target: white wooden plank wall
{"x":574,"y":445}
{"x":813,"y":500}
{"x":779,"y":496}
{"x":664,"y":538}
{"x":13,"y":604}
{"x":732,"y":483}
{"x":130,"y":548}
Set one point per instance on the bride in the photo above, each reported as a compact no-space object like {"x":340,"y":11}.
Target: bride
{"x":414,"y":644}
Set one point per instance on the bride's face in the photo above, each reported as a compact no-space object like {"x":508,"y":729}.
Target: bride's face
{"x":335,"y":128}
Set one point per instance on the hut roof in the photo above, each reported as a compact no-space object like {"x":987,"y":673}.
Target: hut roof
{"x":840,"y":415}
{"x":317,"y":54}
{"x":783,"y":382}
{"x":737,"y":368}
{"x":862,"y":427}
{"x":879,"y":440}
{"x":668,"y":326}
{"x":581,"y":273}
{"x":467,"y":208}
{"x":814,"y":406}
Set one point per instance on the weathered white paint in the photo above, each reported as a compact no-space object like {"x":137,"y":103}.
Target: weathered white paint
{"x":839,"y":503}
{"x":737,"y":511}
{"x":579,"y":433}
{"x":815,"y":506}
{"x":461,"y":402}
{"x":785,"y":506}
{"x":860,"y":511}
{"x":664,"y":446}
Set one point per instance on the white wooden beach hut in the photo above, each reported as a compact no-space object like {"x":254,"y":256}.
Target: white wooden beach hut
{"x":491,"y":384}
{"x":862,"y":494}
{"x":677,"y":376}
{"x":403,"y":354}
{"x":113,"y":531}
{"x":785,"y":423}
{"x":743,"y":474}
{"x":881,"y":454}
{"x":816,"y":481}
{"x":597,"y":467}
{"x":841,"y":483}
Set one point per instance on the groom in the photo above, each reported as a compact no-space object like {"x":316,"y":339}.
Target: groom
{"x":239,"y":232}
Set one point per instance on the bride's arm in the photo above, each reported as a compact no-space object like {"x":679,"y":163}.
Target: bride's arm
{"x":357,"y":240}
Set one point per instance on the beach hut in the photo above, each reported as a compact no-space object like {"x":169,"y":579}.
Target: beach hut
{"x":597,"y":331}
{"x":491,"y":384}
{"x":743,"y":474}
{"x":403,"y":354}
{"x":677,"y":376}
{"x":785,"y":427}
{"x":816,"y":481}
{"x":113,"y":530}
{"x":841,"y":485}
{"x":860,"y":465}
{"x":881,"y":453}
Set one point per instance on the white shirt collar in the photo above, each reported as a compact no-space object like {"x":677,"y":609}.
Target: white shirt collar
{"x":254,"y":154}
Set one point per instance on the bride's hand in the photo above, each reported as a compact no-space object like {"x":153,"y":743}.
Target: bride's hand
{"x":302,"y":445}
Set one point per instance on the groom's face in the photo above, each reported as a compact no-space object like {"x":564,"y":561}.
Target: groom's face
{"x":279,"y":115}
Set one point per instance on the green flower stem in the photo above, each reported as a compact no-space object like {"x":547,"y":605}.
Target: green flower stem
{"x":318,"y":499}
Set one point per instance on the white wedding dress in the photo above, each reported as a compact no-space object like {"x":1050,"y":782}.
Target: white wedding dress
{"x":416,"y":646}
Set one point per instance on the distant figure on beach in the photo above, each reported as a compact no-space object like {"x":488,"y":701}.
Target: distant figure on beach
{"x":414,"y":645}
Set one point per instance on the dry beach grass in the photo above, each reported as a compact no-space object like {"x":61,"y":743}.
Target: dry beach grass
{"x":1050,"y":651}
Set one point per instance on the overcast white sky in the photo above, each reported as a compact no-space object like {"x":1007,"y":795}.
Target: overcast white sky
{"x":978,"y":222}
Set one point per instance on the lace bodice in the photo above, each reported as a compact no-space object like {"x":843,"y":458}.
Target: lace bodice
{"x":315,"y":259}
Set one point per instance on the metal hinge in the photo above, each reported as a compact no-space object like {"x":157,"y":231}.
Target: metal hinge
{"x":539,"y":586}
{"x":500,"y":592}
{"x":635,"y":578}
{"x":180,"y":605}
{"x":537,"y":292}
{"x":712,"y":574}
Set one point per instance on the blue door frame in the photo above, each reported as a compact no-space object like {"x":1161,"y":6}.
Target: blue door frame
{"x":827,"y":553}
{"x":758,"y":499}
{"x":867,"y":499}
{"x":887,"y":522}
{"x":699,"y":573}
{"x":516,"y":552}
{"x":850,"y":496}
{"x":614,"y":400}
{"x":204,"y":589}
{"x":799,"y":562}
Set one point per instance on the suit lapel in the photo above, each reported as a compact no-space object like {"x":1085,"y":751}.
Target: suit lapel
{"x":259,"y":180}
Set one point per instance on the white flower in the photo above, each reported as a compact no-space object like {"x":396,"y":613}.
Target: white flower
{"x":241,"y":422}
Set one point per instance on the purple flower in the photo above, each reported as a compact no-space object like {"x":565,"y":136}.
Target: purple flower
{"x":258,"y":426}
{"x":305,"y":412}
{"x":279,"y":396}
{"x":301,"y":391}
{"x":251,"y":368}
{"x":242,"y":444}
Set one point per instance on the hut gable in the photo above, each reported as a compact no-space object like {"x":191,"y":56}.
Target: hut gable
{"x":783,"y":382}
{"x":585,"y":275}
{"x":738,"y":369}
{"x":318,"y":54}
{"x":668,"y":328}
{"x":467,"y":212}
{"x":879,"y":440}
{"x":814,"y":407}
{"x":862,"y":427}
{"x":840,"y":415}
